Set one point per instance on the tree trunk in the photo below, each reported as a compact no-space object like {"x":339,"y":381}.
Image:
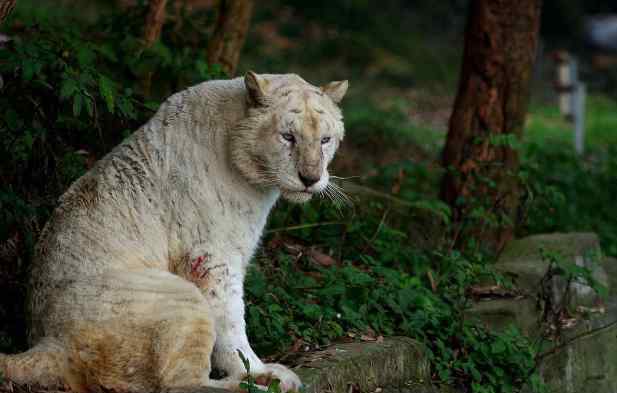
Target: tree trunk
{"x":6,"y":6}
{"x":481,"y":182}
{"x":155,"y":19}
{"x":154,"y":22}
{"x":234,"y":18}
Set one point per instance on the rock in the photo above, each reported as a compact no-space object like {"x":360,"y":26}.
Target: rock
{"x":498,"y":314}
{"x":587,"y":362}
{"x":585,"y":359}
{"x":522,"y":260}
{"x":397,"y":361}
{"x":609,"y":265}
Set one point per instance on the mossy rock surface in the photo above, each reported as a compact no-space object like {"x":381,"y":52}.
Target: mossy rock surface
{"x":522,"y":260}
{"x":499,"y":314}
{"x":610,"y":267}
{"x":587,"y":360}
{"x":567,"y":244}
{"x":394,"y":362}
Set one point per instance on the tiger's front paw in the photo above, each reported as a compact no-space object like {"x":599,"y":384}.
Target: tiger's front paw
{"x":289,"y":380}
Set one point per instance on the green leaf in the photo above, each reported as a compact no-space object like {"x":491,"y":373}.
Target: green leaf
{"x":106,"y":89}
{"x":275,"y":386}
{"x":28,"y":140}
{"x":77,"y":104}
{"x":12,"y":119}
{"x":68,"y":88}
{"x":28,"y":70}
{"x":152,"y":105}
{"x":89,"y":106}
{"x":107,"y":50}
{"x":85,"y":56}
{"x":498,"y":347}
{"x":245,"y":362}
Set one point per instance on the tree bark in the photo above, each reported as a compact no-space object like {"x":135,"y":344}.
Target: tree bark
{"x":154,"y":22}
{"x":480,"y":156}
{"x":6,"y":6}
{"x":234,"y":18}
{"x":155,"y":19}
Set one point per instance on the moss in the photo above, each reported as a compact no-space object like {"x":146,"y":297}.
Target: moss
{"x":369,"y":365}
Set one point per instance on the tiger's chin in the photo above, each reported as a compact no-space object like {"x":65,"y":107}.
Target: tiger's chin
{"x":296,"y":196}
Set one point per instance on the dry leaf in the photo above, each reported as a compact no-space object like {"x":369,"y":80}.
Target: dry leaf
{"x":321,"y":258}
{"x":297,"y":345}
{"x":396,"y":187}
{"x":353,"y":388}
{"x":490,"y":291}
{"x":432,"y":280}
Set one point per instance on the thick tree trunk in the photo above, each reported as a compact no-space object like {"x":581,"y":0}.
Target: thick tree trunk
{"x":481,"y":182}
{"x":154,"y":21}
{"x":6,"y":6}
{"x":234,"y":18}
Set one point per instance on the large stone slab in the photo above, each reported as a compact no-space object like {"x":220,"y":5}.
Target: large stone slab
{"x":610,"y":267}
{"x":587,"y":361}
{"x":396,"y":361}
{"x":585,"y":358}
{"x":499,"y":314}
{"x":522,"y":260}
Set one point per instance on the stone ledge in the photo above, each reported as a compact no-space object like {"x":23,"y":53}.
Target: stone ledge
{"x":396,"y":364}
{"x":396,"y":361}
{"x":587,"y":362}
{"x":523,"y":262}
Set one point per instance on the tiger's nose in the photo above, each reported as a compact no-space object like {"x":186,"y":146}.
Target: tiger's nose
{"x":307,"y":180}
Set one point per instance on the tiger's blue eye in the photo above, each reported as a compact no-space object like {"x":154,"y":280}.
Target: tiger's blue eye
{"x":325,"y":140}
{"x":289,"y":137}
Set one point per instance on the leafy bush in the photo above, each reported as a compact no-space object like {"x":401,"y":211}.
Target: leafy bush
{"x":571,"y":193}
{"x":357,"y":276}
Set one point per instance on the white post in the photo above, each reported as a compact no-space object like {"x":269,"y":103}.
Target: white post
{"x":564,"y":86}
{"x":571,"y":96}
{"x":579,"y":118}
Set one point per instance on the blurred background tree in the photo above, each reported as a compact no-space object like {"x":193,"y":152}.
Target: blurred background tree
{"x":232,"y":24}
{"x":481,"y":183}
{"x":6,"y":6}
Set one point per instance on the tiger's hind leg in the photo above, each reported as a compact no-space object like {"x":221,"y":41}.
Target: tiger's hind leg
{"x":144,"y":330}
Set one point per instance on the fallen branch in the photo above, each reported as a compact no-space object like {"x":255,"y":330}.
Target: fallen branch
{"x":573,"y":339}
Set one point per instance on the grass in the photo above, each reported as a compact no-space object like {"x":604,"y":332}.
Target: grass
{"x":547,"y":125}
{"x":577,"y":191}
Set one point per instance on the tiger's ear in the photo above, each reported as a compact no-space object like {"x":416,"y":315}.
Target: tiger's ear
{"x":336,"y":90}
{"x":256,"y":87}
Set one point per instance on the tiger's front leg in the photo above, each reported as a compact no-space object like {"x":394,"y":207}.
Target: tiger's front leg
{"x":223,"y":287}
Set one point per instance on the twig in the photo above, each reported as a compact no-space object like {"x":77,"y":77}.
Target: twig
{"x":383,"y":220}
{"x":358,"y":189}
{"x":303,"y":226}
{"x":370,"y":242}
{"x":571,"y":340}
